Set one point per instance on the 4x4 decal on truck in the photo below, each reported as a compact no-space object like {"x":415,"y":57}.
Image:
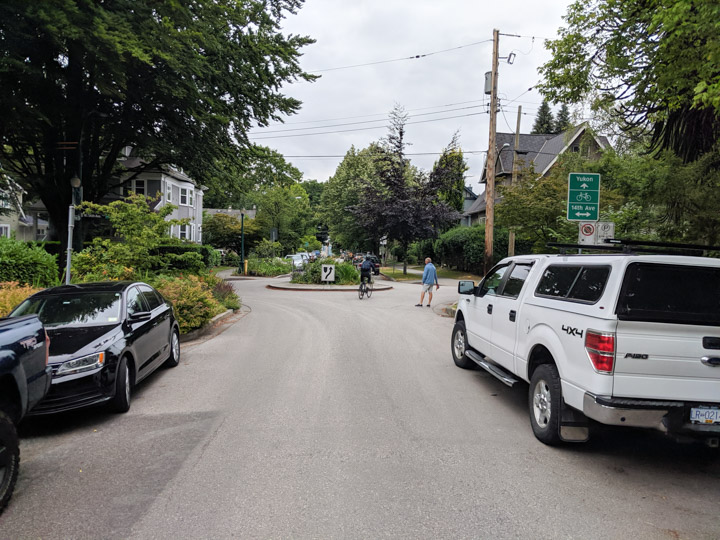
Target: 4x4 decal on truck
{"x":572,"y":331}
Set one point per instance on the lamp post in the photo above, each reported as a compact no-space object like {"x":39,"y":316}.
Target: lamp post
{"x":76,"y":198}
{"x":242,"y":243}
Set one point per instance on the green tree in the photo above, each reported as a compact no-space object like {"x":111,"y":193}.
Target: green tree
{"x":449,"y":174}
{"x":403,"y":203}
{"x":562,"y":119}
{"x":343,"y":191}
{"x":287,"y":211}
{"x":657,"y":65}
{"x":225,"y":232}
{"x":544,"y":121}
{"x":180,"y":81}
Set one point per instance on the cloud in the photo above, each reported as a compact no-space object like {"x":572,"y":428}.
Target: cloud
{"x":349,"y":33}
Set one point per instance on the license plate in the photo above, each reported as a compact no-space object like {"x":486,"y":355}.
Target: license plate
{"x":705,"y":415}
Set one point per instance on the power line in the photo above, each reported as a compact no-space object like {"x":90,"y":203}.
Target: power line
{"x":366,"y":121}
{"x":365,"y":128}
{"x":415,"y":57}
{"x":384,"y":114}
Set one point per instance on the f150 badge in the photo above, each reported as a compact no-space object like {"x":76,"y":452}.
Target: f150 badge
{"x":572,"y":331}
{"x":637,"y":356}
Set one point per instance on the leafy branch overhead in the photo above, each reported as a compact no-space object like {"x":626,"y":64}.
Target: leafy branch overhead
{"x":182,"y":82}
{"x":655,"y":66}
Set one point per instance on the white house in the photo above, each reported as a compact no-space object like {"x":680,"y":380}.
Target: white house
{"x":174,"y":187}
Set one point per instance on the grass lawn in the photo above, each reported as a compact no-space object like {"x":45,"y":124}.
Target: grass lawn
{"x":415,"y":273}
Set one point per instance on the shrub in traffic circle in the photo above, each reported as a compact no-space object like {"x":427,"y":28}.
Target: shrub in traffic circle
{"x":345,"y":273}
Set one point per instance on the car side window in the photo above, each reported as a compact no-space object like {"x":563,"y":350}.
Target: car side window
{"x":151,"y":299}
{"x":135,"y":302}
{"x":573,"y":282}
{"x":516,"y":280}
{"x":491,"y":283}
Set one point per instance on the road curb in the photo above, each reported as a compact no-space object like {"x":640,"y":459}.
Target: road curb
{"x":194,"y":334}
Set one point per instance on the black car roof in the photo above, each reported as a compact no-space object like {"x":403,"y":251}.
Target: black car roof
{"x":97,"y":286}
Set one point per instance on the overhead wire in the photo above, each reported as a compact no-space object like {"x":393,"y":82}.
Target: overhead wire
{"x":414,"y":57}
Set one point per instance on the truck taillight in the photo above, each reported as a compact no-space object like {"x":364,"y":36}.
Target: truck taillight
{"x":601,"y":350}
{"x":47,"y":349}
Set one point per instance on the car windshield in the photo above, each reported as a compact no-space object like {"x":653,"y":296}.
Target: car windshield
{"x":81,"y":308}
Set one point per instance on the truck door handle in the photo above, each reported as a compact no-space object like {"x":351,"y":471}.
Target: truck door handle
{"x":712,"y":361}
{"x":489,"y":308}
{"x":513,"y":314}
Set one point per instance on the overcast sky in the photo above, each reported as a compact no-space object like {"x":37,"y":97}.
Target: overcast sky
{"x":442,"y":92}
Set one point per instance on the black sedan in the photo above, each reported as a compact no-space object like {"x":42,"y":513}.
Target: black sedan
{"x":105,"y":338}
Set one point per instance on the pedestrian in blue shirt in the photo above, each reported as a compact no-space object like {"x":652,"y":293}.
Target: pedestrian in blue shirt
{"x":428,"y":280}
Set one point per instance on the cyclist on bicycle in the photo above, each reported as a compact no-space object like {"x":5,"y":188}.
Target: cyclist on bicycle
{"x":366,"y":270}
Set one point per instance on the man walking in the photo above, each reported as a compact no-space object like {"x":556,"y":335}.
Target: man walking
{"x":428,"y":280}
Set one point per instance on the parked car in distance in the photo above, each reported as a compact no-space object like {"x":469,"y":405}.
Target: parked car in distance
{"x":105,"y":337}
{"x":24,"y":380}
{"x":297,"y":260}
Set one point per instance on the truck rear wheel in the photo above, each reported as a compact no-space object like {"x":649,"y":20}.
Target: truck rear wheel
{"x":458,"y":344}
{"x":545,"y":404}
{"x":9,"y":459}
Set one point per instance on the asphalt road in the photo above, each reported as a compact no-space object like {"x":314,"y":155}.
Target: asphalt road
{"x":317,"y":415}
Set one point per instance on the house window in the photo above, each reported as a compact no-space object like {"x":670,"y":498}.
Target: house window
{"x":168,"y":192}
{"x":184,"y":232}
{"x":136,"y":186}
{"x":184,"y":196}
{"x":191,"y":196}
{"x":4,"y":199}
{"x":5,"y":231}
{"x":576,"y":149}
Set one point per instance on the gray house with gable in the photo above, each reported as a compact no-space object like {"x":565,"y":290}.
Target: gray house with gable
{"x":538,"y":152}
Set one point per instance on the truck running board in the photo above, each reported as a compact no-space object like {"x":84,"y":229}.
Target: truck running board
{"x":492,"y":369}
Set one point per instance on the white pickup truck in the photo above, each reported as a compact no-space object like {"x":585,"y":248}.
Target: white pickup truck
{"x":622,"y":339}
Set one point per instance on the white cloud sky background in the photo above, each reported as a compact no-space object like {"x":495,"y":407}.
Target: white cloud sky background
{"x":348,"y":33}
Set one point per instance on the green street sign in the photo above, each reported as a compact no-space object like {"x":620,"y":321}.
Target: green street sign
{"x":583,"y":197}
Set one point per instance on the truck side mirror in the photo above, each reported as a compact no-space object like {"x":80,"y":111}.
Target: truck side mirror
{"x":466,"y":287}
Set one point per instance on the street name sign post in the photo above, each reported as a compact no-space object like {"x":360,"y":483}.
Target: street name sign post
{"x":583,"y":197}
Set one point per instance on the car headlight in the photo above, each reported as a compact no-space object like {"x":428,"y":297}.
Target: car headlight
{"x":85,"y":363}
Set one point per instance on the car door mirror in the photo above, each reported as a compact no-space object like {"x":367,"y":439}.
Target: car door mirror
{"x":140,"y":316}
{"x":466,"y":287}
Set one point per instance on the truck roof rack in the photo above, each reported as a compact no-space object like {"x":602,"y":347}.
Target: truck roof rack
{"x":630,"y":247}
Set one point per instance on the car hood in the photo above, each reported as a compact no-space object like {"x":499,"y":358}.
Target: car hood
{"x":71,"y":341}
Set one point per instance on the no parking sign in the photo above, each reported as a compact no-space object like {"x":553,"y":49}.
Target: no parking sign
{"x":587,"y":233}
{"x":594,"y":233}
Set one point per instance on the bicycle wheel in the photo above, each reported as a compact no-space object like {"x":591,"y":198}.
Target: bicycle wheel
{"x":369,"y":289}
{"x":361,"y":290}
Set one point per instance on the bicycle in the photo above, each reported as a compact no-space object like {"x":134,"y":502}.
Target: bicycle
{"x":365,"y":289}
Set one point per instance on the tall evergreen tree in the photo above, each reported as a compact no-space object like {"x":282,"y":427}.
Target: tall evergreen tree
{"x":403,"y":204}
{"x":449,"y":174}
{"x":544,"y":121}
{"x":562,"y":120}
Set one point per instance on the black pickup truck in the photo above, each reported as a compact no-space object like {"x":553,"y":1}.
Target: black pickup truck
{"x":24,"y":380}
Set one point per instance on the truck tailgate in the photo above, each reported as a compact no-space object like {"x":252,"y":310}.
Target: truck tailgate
{"x":664,"y":361}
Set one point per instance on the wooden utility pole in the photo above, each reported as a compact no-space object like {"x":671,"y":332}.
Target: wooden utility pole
{"x":491,"y":157}
{"x":511,"y":235}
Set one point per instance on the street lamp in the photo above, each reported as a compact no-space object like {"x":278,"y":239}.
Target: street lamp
{"x":76,"y":198}
{"x":242,"y":242}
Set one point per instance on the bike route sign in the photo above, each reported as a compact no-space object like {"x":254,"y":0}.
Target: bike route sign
{"x":583,"y":197}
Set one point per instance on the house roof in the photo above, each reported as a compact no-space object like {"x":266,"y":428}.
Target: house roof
{"x":178,"y":174}
{"x":539,"y":150}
